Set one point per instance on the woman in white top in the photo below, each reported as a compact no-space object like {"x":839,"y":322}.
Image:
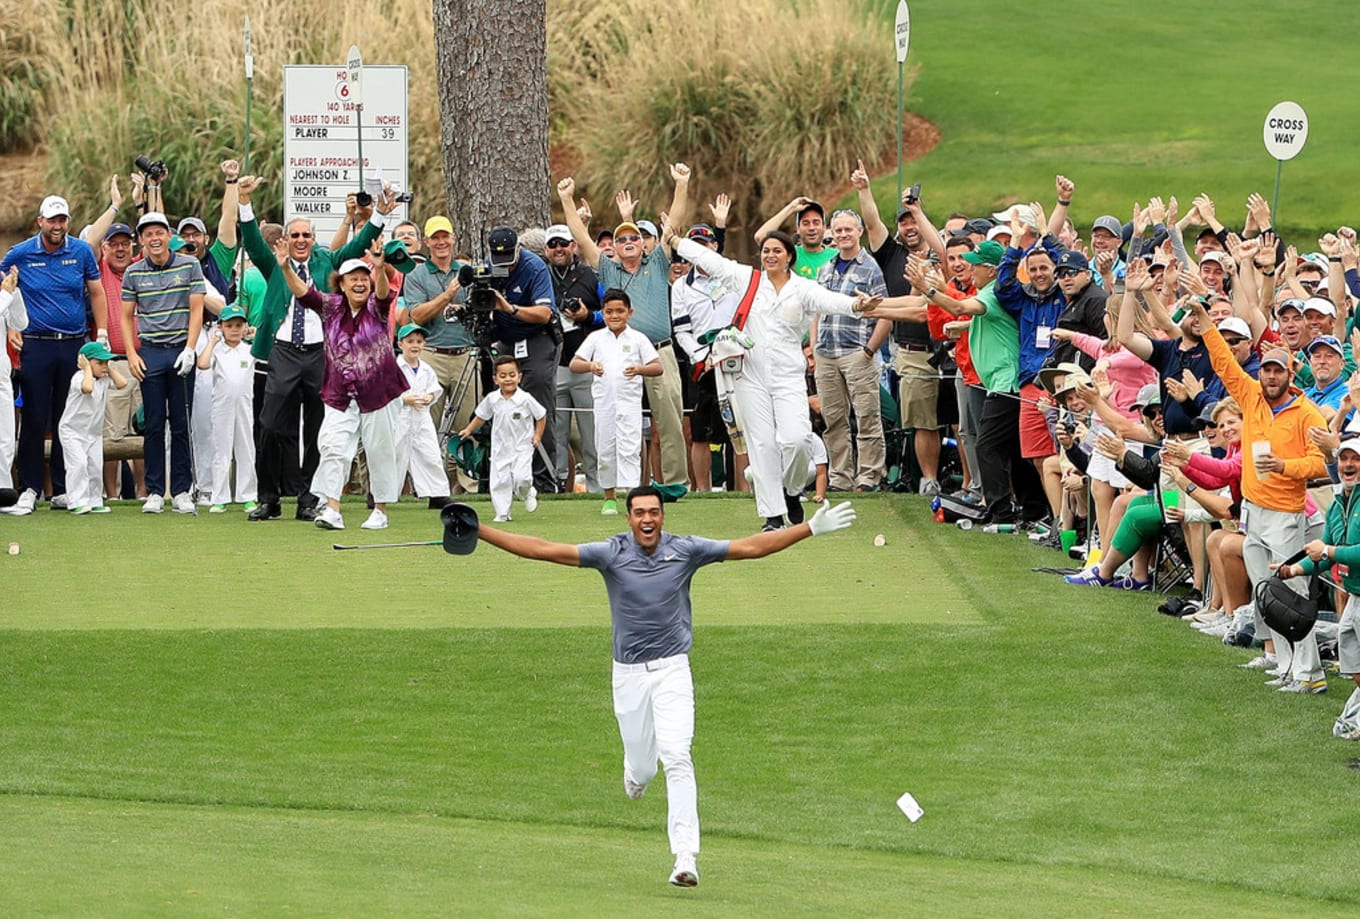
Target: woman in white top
{"x":770,"y":396}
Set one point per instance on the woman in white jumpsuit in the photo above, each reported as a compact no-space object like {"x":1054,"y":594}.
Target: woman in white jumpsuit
{"x":770,"y":396}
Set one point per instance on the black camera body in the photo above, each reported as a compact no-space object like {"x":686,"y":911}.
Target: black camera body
{"x":153,"y":169}
{"x":912,"y":194}
{"x":403,"y":197}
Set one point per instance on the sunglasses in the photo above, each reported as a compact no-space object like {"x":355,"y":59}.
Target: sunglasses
{"x":1234,"y":340}
{"x":300,"y":235}
{"x":630,"y":238}
{"x":1152,"y":411}
{"x":1067,"y":272}
{"x":557,"y":244}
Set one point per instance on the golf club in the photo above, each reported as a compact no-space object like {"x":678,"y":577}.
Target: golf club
{"x":389,"y":545}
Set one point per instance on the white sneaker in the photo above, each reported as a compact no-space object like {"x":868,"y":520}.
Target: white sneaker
{"x":1260,"y":662}
{"x":927,"y":487}
{"x":183,"y":503}
{"x":633,"y":789}
{"x":502,"y":518}
{"x":28,"y":500}
{"x":154,"y":504}
{"x":204,"y":500}
{"x":329,"y":519}
{"x":59,"y":503}
{"x":685,"y":873}
{"x":376,"y":521}
{"x":531,"y":500}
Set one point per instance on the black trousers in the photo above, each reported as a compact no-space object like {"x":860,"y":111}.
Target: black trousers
{"x":1004,"y":472}
{"x":292,"y":385}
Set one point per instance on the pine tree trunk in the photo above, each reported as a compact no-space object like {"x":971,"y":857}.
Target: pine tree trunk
{"x":491,"y":59}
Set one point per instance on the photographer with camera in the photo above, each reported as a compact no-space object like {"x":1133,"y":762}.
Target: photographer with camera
{"x":298,"y":364}
{"x":524,"y":317}
{"x":576,"y":287}
{"x":433,"y":296}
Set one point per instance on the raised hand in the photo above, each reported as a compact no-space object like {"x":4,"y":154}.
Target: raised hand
{"x":1140,"y":219}
{"x":246,"y":187}
{"x":1259,"y":209}
{"x":566,"y":188}
{"x":1204,"y":206}
{"x":230,"y":170}
{"x":1040,"y":220}
{"x":860,"y":176}
{"x":1156,"y":209}
{"x":1136,"y":276}
{"x":680,"y":172}
{"x":720,"y":209}
{"x":626,"y":203}
{"x":1064,"y":187}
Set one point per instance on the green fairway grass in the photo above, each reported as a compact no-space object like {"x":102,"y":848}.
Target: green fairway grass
{"x":1075,"y":753}
{"x":1130,"y":100}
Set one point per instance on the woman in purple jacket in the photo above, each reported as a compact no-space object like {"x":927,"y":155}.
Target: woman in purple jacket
{"x":362,"y":386}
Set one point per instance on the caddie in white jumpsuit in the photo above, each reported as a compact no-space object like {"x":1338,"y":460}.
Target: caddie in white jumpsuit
{"x":618,"y":403}
{"x":647,"y":575}
{"x":418,"y":452}
{"x":81,"y":429}
{"x":770,"y":396}
{"x":233,"y":412}
{"x":517,"y":418}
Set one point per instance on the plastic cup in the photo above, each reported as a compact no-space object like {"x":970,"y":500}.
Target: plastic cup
{"x":1259,"y":448}
{"x":1068,"y":539}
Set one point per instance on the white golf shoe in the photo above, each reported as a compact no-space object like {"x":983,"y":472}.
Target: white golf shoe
{"x":685,"y":873}
{"x":328,"y":518}
{"x":376,"y":521}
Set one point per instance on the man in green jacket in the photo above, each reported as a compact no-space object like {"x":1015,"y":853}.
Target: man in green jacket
{"x":1339,"y":549}
{"x":289,"y":337}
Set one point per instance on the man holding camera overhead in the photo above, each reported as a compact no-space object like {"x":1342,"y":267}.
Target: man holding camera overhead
{"x":433,"y":296}
{"x":577,"y":289}
{"x":290,"y":338}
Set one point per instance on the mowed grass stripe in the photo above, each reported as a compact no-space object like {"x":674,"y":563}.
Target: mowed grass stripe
{"x":1110,"y":738}
{"x":217,"y":572}
{"x":76,"y":857}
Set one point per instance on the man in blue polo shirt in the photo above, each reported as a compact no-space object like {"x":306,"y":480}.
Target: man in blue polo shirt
{"x":647,"y":575}
{"x":57,"y":274}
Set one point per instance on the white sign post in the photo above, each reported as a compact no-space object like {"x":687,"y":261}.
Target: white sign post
{"x":1285,"y":132}
{"x":902,"y":38}
{"x":321,"y":134}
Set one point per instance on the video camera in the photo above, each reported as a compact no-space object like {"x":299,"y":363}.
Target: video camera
{"x":480,"y":281}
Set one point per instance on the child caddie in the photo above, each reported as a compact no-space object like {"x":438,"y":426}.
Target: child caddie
{"x":517,"y":421}
{"x":81,"y":429}
{"x":418,"y":453}
{"x":619,"y":357}
{"x":228,"y":355}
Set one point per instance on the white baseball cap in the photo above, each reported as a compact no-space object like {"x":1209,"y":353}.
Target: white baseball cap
{"x":557,"y":231}
{"x":1235,"y":325}
{"x":1351,"y":443}
{"x":353,"y":264}
{"x":1319,"y":305}
{"x":54,"y":206}
{"x":1001,"y":230}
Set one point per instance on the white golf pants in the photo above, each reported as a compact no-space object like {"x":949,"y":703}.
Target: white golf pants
{"x":338,"y":441}
{"x":654,"y":704}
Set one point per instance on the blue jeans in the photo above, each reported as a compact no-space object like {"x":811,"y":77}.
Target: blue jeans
{"x":166,"y":394}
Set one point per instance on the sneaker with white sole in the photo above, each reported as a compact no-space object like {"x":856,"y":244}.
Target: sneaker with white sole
{"x":59,"y":503}
{"x":376,"y":521}
{"x":79,"y":511}
{"x":531,"y":500}
{"x":28,"y":500}
{"x":501,"y":518}
{"x":1280,"y":682}
{"x":183,"y":503}
{"x":154,"y":504}
{"x":633,"y":789}
{"x":1306,"y":687}
{"x":328,"y":518}
{"x":685,"y":873}
{"x":1260,"y":662}
{"x":217,"y":509}
{"x":100,"y":509}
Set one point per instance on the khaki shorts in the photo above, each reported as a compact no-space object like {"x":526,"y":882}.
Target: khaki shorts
{"x":122,"y":404}
{"x":918,"y":391}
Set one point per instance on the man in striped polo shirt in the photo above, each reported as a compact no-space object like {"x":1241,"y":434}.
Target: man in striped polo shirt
{"x":163,"y":292}
{"x":57,"y":274}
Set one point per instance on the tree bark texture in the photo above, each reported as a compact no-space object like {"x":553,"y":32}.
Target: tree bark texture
{"x":491,"y":58}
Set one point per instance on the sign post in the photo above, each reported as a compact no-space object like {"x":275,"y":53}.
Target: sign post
{"x":902,"y":37}
{"x":1285,"y":132}
{"x":250,"y":78}
{"x":355,"y":80}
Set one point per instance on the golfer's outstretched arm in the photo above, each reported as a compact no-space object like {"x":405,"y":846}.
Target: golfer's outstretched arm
{"x":828,"y":519}
{"x":531,"y":547}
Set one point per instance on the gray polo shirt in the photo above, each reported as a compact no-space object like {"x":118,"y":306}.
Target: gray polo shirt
{"x":161,"y":294}
{"x":650,"y":290}
{"x":422,"y":286}
{"x":649,"y":594}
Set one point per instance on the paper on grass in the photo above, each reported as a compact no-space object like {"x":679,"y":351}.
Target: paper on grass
{"x":909,"y":807}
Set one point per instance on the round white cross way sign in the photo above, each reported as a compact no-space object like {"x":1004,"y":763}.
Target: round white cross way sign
{"x":1286,"y":130}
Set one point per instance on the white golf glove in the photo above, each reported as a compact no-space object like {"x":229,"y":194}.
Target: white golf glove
{"x":829,"y":518}
{"x":185,"y":362}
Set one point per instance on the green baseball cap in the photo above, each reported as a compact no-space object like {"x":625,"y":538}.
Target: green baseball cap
{"x":231,"y":311}
{"x":409,"y":328}
{"x":987,"y":253}
{"x":96,"y":351}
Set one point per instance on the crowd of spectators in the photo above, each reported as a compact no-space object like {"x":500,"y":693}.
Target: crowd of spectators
{"x":1158,"y":390}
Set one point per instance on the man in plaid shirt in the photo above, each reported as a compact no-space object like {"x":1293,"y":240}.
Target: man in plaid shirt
{"x":847,"y":364}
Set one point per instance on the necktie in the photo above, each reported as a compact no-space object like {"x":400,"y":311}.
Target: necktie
{"x":299,"y":335}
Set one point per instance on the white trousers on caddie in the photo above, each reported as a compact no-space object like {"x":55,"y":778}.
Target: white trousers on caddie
{"x":418,"y":452}
{"x":233,"y":434}
{"x":338,"y":441}
{"x":618,"y":442}
{"x":1272,"y":537}
{"x":202,"y":432}
{"x":778,"y":433}
{"x":510,"y":477}
{"x":654,"y":704}
{"x":7,"y":441}
{"x":84,"y":468}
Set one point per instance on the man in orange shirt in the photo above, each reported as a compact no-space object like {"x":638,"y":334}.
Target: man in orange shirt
{"x":1278,"y":459}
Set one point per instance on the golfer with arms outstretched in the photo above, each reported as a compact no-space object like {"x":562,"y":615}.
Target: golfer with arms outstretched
{"x":647,"y":574}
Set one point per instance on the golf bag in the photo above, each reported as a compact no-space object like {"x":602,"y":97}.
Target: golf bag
{"x":949,"y":509}
{"x":1285,"y":611}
